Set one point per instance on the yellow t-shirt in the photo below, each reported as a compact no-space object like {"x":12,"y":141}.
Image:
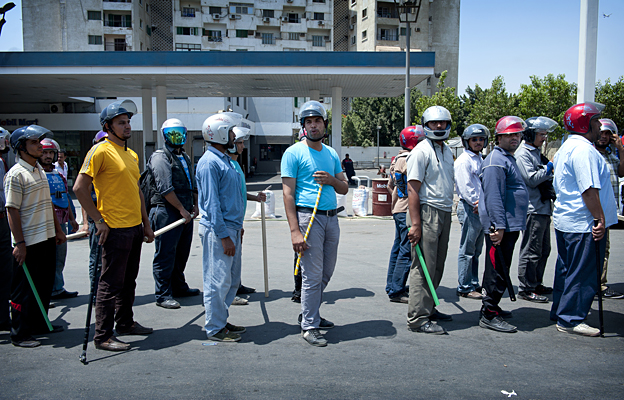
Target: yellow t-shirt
{"x":115,"y":174}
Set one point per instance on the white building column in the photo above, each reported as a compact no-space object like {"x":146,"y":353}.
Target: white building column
{"x":337,"y":120}
{"x":315,"y":94}
{"x":161,"y":112}
{"x":148,"y":129}
{"x":588,"y":42}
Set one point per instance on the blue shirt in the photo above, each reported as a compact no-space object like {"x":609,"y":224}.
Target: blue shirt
{"x":219,"y":193}
{"x":238,"y":169}
{"x":300,"y":161}
{"x":578,"y":167}
{"x":186,"y":168}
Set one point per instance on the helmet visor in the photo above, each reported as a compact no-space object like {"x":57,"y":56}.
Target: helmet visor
{"x":608,"y":125}
{"x":541,"y":124}
{"x":176,"y":135}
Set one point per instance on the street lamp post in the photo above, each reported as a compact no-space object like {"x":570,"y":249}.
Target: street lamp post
{"x":378,"y":128}
{"x":410,"y":8}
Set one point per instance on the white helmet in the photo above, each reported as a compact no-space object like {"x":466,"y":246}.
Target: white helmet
{"x":216,"y":128}
{"x":5,"y":143}
{"x":240,"y":135}
{"x":437,"y":113}
{"x":174,"y":132}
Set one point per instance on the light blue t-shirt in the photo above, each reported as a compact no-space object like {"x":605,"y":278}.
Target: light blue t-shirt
{"x":186,"y":168}
{"x":578,"y":167}
{"x":300,"y":162}
{"x":238,"y":169}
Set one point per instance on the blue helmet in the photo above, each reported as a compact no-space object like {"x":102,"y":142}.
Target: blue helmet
{"x":475,"y":130}
{"x":21,"y":135}
{"x":115,"y":109}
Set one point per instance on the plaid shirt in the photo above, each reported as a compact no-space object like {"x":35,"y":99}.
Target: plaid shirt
{"x":614,"y":164}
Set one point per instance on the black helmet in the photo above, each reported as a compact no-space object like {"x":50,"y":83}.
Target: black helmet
{"x":20,"y":135}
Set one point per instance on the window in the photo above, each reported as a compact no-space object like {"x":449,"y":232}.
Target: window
{"x":353,"y":2}
{"x":187,"y":47}
{"x":213,"y":36}
{"x":319,"y":16}
{"x":354,"y":19}
{"x":318,"y":1}
{"x":119,"y":21}
{"x":387,"y":12}
{"x":182,"y":30}
{"x":289,"y":49}
{"x":293,"y":35}
{"x":141,"y":47}
{"x":148,"y":29}
{"x":242,"y":33}
{"x":240,"y":8}
{"x":188,"y":12}
{"x":403,"y":31}
{"x":267,"y":38}
{"x":268,"y":13}
{"x":317,"y":41}
{"x":245,"y":103}
{"x":363,"y":35}
{"x":141,"y":23}
{"x":146,"y":7}
{"x":94,"y":15}
{"x":352,"y":39}
{"x":293,"y":18}
{"x":214,"y":10}
{"x":95,"y":39}
{"x":242,"y":49}
{"x":238,"y":101}
{"x":364,"y":13}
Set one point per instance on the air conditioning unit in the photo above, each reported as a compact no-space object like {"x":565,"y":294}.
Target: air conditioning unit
{"x":285,"y":19}
{"x":238,"y":16}
{"x":321,"y":23}
{"x":258,"y":34}
{"x":232,"y":16}
{"x":266,"y":19}
{"x":56,"y":108}
{"x":351,"y":27}
{"x":326,"y":38}
{"x":302,"y":34}
{"x":216,"y":16}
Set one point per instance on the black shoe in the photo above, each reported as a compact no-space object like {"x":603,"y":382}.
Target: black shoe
{"x":187,"y":293}
{"x":26,"y":342}
{"x":64,"y":295}
{"x":497,"y":324}
{"x":438,"y":316}
{"x":534,"y":297}
{"x":541,"y":289}
{"x":478,"y":289}
{"x":44,"y":331}
{"x":245,"y":290}
{"x":399,"y":299}
{"x":429,"y":327}
{"x":296,"y":298}
{"x":610,"y":294}
{"x":325,"y":324}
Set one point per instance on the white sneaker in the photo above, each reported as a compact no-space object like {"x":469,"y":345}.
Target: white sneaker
{"x":580,"y":329}
{"x":239,"y":301}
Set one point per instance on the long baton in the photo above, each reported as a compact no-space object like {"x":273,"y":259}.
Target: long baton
{"x":264,"y":247}
{"x":94,"y":282}
{"x":305,"y":238}
{"x":505,"y":272}
{"x":426,"y":273}
{"x":599,"y":265}
{"x":167,"y":228}
{"x":32,"y":286}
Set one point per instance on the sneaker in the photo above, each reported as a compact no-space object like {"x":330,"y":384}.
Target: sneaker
{"x":64,"y":295}
{"x":429,"y":327}
{"x":169,"y":303}
{"x":534,"y":297}
{"x":224,"y":335}
{"x":325,"y":324}
{"x":135,"y":329}
{"x":239,"y":301}
{"x":610,"y":294}
{"x":296,"y":298}
{"x":399,"y":299}
{"x":580,"y":329}
{"x":438,"y":316}
{"x":314,"y":337}
{"x":26,"y":342}
{"x":541,"y":289}
{"x":497,"y":324}
{"x":235,"y":329}
{"x":470,"y":295}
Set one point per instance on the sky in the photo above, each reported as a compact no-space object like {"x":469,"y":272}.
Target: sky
{"x":511,"y":38}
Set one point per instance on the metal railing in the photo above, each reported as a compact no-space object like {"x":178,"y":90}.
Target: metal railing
{"x":388,"y":36}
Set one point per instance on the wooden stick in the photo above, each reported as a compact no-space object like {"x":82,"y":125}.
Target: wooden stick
{"x":305,"y":238}
{"x":264,"y":247}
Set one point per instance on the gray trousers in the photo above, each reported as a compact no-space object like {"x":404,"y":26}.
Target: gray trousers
{"x":534,"y":252}
{"x":436,"y":229}
{"x":317,"y":264}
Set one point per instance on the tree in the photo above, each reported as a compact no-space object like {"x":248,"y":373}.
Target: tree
{"x":612,"y":96}
{"x":549,"y":97}
{"x":445,"y":97}
{"x":492,"y":104}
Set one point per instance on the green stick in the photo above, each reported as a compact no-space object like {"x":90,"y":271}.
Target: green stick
{"x":427,"y":277}
{"x":32,"y":286}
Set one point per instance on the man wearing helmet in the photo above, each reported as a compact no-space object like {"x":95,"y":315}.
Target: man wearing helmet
{"x":175,"y":197}
{"x":220,"y":227}
{"x":305,"y":167}
{"x":537,"y":173}
{"x":468,"y":186}
{"x":36,"y":232}
{"x":6,"y":258}
{"x":503,"y":205}
{"x":121,"y":222}
{"x":64,"y":214}
{"x":400,"y":255}
{"x":430,"y":199}
{"x":582,"y":184}
{"x":606,"y":142}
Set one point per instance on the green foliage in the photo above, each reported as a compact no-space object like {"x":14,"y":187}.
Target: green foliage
{"x":445,"y":97}
{"x":612,"y":96}
{"x":489,"y":105}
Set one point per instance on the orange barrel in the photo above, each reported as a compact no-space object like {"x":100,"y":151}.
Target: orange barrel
{"x":382,"y":199}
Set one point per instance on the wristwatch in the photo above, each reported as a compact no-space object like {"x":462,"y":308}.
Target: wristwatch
{"x":100,"y":221}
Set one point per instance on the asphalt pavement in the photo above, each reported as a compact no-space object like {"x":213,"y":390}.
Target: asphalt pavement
{"x":371,"y":354}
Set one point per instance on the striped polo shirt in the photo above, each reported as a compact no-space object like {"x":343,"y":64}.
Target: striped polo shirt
{"x":27,"y":190}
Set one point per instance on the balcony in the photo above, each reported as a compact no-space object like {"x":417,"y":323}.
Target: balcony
{"x":115,"y":46}
{"x":389,"y":36}
{"x":119,"y":5}
{"x":118,"y":23}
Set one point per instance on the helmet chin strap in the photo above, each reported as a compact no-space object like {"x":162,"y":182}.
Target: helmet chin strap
{"x":117,"y":136}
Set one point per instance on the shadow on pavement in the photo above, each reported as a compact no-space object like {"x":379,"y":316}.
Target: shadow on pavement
{"x":351,"y":293}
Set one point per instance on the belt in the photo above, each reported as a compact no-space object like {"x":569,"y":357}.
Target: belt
{"x":329,"y":213}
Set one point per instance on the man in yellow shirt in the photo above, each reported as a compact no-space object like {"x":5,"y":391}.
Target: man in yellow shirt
{"x":121,"y":221}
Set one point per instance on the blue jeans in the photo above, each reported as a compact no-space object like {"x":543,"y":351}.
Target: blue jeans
{"x":222,"y":275}
{"x":576,"y":280}
{"x":61,"y":255}
{"x":172,"y":252}
{"x":470,"y":248}
{"x":400,"y":258}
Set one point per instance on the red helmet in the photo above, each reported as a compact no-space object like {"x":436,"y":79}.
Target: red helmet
{"x":577,"y":118}
{"x":510,"y":124}
{"x":411,"y":136}
{"x":50,"y":144}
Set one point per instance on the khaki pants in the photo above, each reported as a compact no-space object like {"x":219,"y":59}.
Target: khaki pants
{"x":436,"y":228}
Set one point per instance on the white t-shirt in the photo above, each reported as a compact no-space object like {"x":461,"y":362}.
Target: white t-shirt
{"x":432,"y":165}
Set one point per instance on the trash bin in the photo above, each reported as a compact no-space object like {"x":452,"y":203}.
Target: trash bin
{"x":382,"y":199}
